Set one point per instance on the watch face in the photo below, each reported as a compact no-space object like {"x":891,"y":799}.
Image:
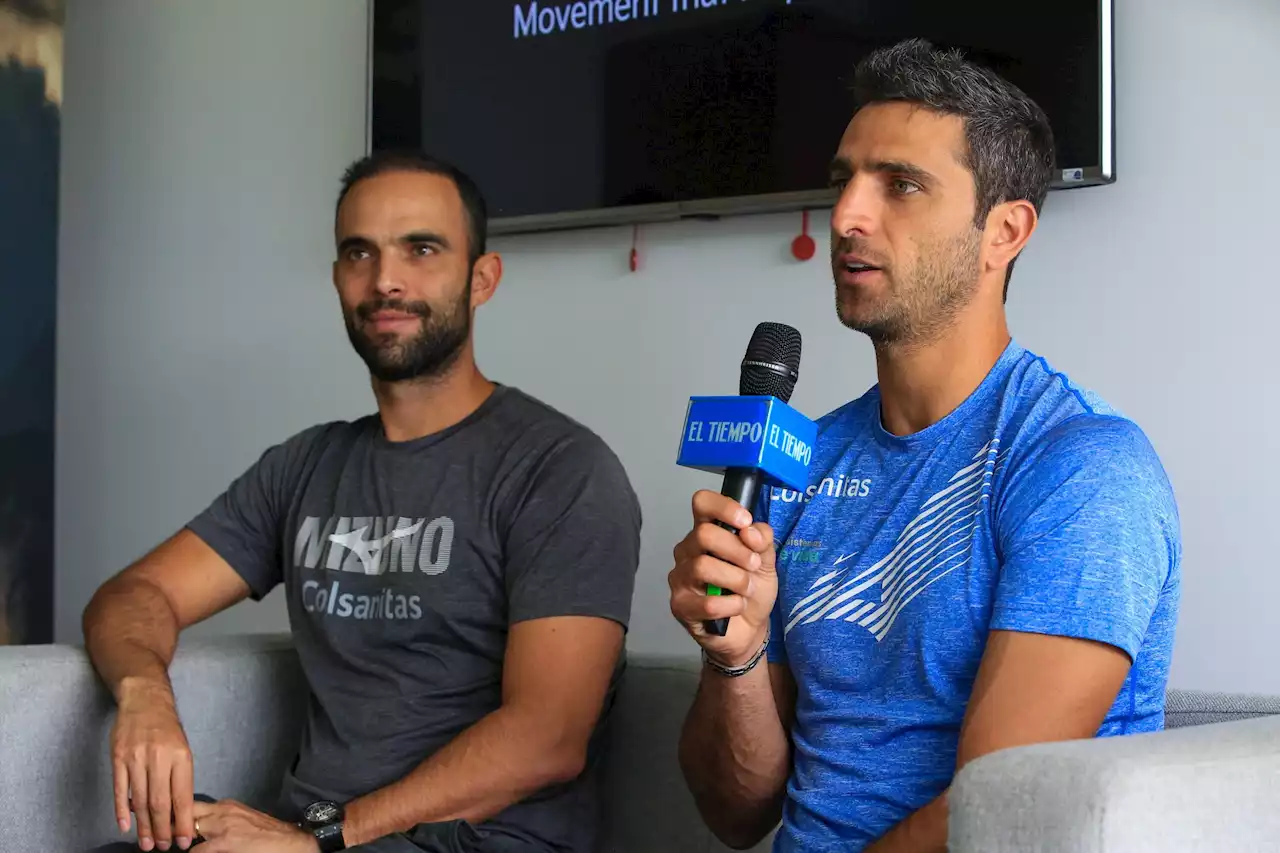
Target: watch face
{"x":321,"y":813}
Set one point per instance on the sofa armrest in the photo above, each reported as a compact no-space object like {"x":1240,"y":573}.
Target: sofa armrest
{"x":1211,"y":787}
{"x":242,"y":701}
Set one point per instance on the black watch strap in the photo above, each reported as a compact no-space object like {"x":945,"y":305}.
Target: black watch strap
{"x":329,"y":837}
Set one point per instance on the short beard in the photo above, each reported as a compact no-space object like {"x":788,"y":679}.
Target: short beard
{"x":940,"y":287}
{"x":426,"y":356}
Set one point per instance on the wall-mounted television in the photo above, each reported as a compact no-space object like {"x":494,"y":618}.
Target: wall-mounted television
{"x":571,"y":113}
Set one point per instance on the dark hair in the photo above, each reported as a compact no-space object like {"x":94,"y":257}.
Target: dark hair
{"x":381,"y":162}
{"x":1010,"y":144}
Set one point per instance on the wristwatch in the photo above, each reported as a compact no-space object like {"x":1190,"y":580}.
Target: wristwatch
{"x":324,"y":821}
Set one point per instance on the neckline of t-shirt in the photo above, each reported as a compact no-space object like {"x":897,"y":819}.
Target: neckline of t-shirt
{"x":495,"y":397}
{"x":1012,"y":352}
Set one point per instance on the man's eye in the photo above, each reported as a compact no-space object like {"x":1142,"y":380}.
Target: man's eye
{"x":838,"y":183}
{"x":902,"y":186}
{"x":421,"y":250}
{"x":355,"y":255}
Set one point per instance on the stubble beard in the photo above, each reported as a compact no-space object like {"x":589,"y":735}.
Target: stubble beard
{"x":924,"y":302}
{"x":426,"y":356}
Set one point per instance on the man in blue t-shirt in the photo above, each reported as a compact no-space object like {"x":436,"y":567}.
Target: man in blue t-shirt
{"x":986,"y":555}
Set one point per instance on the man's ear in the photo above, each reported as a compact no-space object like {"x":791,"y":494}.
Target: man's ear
{"x":486,"y":273}
{"x":1010,"y":225}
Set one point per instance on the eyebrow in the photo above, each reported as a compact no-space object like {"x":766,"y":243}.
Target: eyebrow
{"x":348,"y":243}
{"x":425,"y":237}
{"x":893,"y":167}
{"x":356,"y":241}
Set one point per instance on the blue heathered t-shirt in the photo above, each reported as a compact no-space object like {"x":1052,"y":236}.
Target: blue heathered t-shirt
{"x":1031,"y":507}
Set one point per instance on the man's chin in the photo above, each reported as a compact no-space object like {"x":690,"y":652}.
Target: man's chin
{"x":873,"y":324}
{"x":388,"y":373}
{"x":397,"y":357}
{"x":387,"y":363}
{"x":856,"y":311}
{"x":400,"y":365}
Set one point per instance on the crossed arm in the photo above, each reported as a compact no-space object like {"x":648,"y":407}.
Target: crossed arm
{"x":556,"y":675}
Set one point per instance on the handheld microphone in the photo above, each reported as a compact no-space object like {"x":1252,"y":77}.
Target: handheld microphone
{"x":755,"y":438}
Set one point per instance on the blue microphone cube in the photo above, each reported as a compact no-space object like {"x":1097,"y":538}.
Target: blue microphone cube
{"x":762,"y":433}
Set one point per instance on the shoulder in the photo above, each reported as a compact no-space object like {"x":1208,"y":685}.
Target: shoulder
{"x":1099,"y":449}
{"x":1097,"y":438}
{"x":544,"y":430}
{"x":306,"y":443}
{"x":332,"y":431}
{"x":1051,"y":422}
{"x":556,"y":450}
{"x":1067,"y":446}
{"x":1038,"y":394}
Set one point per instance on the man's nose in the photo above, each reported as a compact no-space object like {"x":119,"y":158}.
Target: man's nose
{"x":390,"y":278}
{"x":857,"y":210}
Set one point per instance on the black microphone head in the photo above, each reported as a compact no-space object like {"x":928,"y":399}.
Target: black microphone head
{"x":772,"y":363}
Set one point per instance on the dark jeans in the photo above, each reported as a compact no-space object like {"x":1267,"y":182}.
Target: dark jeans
{"x":454,"y":837}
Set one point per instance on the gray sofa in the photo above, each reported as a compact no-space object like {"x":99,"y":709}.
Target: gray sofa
{"x":1212,"y":787}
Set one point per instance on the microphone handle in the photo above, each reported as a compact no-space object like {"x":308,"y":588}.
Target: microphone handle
{"x":743,"y":485}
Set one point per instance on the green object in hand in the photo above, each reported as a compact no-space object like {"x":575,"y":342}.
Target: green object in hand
{"x":712,"y":589}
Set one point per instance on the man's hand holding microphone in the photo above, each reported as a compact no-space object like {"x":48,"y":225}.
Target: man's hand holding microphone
{"x":755,"y":440}
{"x":741,"y":562}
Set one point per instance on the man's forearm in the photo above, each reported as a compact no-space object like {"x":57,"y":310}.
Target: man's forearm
{"x":500,"y":760}
{"x":922,"y":831}
{"x":130,"y":634}
{"x":736,"y":755}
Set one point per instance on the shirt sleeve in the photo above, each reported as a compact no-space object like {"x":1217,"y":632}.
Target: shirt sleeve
{"x":243,"y":524}
{"x":1089,"y":535}
{"x":573,"y":547}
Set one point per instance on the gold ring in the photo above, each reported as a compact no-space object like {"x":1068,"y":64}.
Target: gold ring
{"x":197,"y":823}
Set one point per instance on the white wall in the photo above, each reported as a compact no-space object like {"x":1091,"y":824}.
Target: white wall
{"x":196,"y":315}
{"x":202,"y":147}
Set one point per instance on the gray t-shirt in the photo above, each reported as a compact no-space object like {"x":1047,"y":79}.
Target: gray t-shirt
{"x":405,"y":564}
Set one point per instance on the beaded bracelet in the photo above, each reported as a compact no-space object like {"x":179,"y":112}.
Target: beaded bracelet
{"x":737,"y":671}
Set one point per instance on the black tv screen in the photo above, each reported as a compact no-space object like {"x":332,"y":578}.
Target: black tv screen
{"x":608,"y":111}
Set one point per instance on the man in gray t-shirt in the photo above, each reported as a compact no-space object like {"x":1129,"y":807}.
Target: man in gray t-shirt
{"x":458,"y":571}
